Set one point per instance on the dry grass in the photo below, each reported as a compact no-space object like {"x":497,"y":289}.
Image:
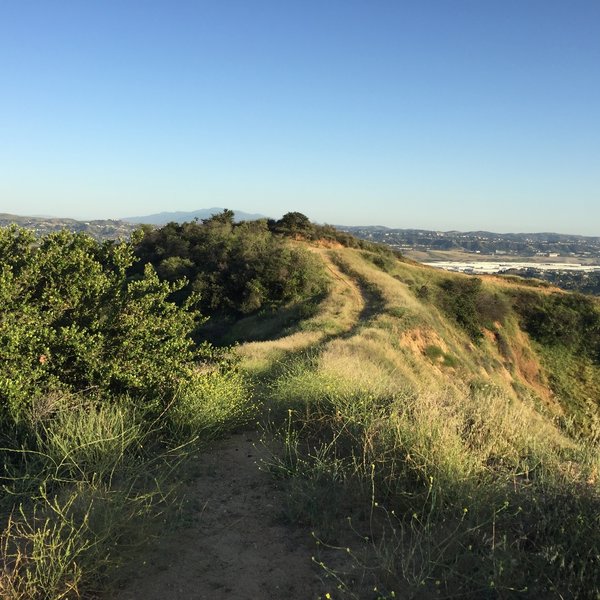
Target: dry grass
{"x":337,"y":314}
{"x":465,"y":448}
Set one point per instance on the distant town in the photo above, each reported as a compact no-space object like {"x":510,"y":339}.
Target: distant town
{"x":571,"y":262}
{"x":107,"y":229}
{"x":535,"y":245}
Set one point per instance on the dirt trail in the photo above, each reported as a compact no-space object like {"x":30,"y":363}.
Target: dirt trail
{"x":236,"y":545}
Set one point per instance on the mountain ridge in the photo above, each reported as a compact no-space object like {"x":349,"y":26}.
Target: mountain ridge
{"x":180,"y":216}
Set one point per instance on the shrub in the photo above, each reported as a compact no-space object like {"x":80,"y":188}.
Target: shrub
{"x":72,"y":322}
{"x":237,"y":269}
{"x":459,"y":300}
{"x":492,"y":308}
{"x":568,"y":320}
{"x":433,"y":352}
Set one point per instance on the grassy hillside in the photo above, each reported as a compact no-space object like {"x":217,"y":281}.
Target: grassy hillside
{"x":437,"y":433}
{"x":428,"y":430}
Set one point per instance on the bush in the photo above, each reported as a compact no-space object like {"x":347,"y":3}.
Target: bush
{"x":237,"y":269}
{"x":72,"y":322}
{"x":433,"y":352}
{"x":568,"y":320}
{"x":459,"y":301}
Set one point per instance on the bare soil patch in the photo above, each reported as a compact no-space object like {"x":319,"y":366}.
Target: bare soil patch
{"x":234,"y":544}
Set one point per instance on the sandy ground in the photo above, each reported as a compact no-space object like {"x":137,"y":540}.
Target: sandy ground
{"x":235,"y":545}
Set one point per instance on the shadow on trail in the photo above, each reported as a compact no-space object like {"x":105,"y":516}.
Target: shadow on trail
{"x":308,"y":358}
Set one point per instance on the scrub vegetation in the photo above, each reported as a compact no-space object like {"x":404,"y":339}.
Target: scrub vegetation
{"x":436,"y":432}
{"x":103,"y":395}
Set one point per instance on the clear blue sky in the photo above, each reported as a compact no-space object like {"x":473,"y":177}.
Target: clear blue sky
{"x":445,"y":114}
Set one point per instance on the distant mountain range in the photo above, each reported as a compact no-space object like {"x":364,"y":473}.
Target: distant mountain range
{"x":473,"y":242}
{"x":182,"y":216}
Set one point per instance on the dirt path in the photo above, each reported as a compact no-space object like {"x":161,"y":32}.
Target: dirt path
{"x":236,"y":545}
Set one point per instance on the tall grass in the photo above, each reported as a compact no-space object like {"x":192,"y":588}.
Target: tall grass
{"x":96,"y":479}
{"x":435,"y":485}
{"x":451,"y":480}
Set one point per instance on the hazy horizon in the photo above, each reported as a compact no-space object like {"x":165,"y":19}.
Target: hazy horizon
{"x":338,"y":224}
{"x":441,"y":116}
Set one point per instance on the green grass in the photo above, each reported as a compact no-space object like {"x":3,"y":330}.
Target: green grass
{"x":435,"y":485}
{"x":99,"y":480}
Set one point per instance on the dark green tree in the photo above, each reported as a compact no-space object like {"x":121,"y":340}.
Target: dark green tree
{"x":294,"y":223}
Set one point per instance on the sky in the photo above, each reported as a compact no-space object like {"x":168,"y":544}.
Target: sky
{"x":433,"y":114}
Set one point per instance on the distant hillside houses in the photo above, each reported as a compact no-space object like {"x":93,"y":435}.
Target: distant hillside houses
{"x":107,"y":229}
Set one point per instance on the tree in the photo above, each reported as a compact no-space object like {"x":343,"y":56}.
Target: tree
{"x":294,"y":223}
{"x":225,"y":217}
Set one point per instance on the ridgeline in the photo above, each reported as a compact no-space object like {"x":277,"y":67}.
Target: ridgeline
{"x":420,"y":434}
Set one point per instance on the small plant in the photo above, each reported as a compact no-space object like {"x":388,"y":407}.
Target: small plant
{"x":459,"y":300}
{"x":211,"y":403}
{"x":41,"y":556}
{"x":423,"y":293}
{"x":89,"y":441}
{"x":433,"y":352}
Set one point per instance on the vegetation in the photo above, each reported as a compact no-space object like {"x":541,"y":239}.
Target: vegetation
{"x":568,"y":320}
{"x":575,"y":281}
{"x":566,"y":328}
{"x":432,"y":480}
{"x":102,"y":394}
{"x":236,"y":269}
{"x":438,"y":431}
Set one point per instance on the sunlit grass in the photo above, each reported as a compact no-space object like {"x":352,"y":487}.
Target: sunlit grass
{"x":452,"y":479}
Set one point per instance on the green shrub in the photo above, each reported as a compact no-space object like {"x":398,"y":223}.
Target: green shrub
{"x":568,"y":320}
{"x":459,"y":301}
{"x":433,"y":352}
{"x":237,"y":269}
{"x":383,"y":261}
{"x":72,"y":322}
{"x":492,"y":308}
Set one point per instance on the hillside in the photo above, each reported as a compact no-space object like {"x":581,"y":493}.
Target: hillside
{"x":483,"y":242}
{"x":429,"y":444}
{"x":102,"y":229}
{"x":385,"y":429}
